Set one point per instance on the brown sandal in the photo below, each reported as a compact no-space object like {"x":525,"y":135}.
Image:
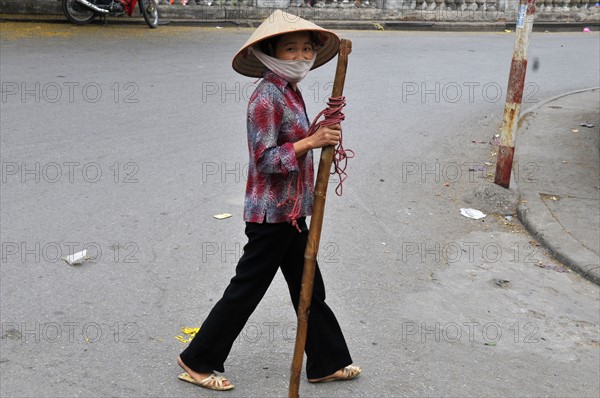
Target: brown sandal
{"x":348,"y":373}
{"x":212,"y":382}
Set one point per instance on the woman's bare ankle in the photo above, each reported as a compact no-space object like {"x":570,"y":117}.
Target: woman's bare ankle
{"x":195,"y":375}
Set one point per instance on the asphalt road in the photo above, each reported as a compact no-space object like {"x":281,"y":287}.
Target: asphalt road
{"x":125,"y":141}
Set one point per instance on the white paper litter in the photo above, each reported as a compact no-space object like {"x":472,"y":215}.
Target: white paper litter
{"x":76,"y":258}
{"x":222,"y":216}
{"x":472,"y":213}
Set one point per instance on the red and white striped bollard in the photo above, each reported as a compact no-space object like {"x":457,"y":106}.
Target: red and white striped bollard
{"x":514,"y":93}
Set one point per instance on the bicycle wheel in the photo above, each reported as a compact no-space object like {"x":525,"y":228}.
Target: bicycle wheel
{"x":149,"y":9}
{"x":77,"y":13}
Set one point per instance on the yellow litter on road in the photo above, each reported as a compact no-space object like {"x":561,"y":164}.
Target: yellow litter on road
{"x":190,"y":332}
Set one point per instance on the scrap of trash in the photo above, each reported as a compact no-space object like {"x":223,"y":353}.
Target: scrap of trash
{"x":551,"y":267}
{"x":472,"y":213}
{"x":503,"y":283}
{"x":189,"y":332}
{"x":222,"y":216}
{"x":545,"y":196}
{"x":77,"y":258}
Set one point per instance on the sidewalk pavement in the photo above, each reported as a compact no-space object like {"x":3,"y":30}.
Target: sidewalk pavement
{"x":557,"y":174}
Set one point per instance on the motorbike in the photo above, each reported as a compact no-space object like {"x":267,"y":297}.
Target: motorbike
{"x":84,"y":11}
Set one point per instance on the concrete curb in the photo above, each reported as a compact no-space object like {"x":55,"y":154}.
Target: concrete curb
{"x":537,"y":218}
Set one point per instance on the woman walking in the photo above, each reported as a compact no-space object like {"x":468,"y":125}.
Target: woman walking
{"x":279,"y":194}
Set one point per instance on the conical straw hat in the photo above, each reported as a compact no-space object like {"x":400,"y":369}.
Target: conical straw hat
{"x":280,"y":23}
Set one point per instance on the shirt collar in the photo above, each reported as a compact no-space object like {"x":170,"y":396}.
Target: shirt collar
{"x":277,"y":80}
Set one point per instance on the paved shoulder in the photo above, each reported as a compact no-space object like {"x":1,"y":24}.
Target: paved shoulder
{"x":558,"y":178}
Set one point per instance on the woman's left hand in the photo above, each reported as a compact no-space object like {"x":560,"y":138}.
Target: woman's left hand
{"x":324,"y":136}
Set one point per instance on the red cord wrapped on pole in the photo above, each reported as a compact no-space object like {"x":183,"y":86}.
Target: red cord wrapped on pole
{"x":332,"y":115}
{"x":514,"y":93}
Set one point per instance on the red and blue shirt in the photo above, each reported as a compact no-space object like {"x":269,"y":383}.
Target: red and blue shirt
{"x":276,"y":119}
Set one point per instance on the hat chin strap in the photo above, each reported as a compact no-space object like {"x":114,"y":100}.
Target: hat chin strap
{"x":292,"y":71}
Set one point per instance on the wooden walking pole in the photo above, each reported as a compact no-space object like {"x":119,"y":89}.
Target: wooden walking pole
{"x":314,"y":234}
{"x":514,"y":93}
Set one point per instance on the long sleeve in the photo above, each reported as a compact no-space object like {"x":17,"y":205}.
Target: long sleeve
{"x":265,"y":118}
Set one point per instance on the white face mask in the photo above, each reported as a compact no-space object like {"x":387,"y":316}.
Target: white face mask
{"x":292,"y":71}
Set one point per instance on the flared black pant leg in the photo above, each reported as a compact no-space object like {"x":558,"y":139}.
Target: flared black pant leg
{"x":267,"y":245}
{"x":326,"y":349}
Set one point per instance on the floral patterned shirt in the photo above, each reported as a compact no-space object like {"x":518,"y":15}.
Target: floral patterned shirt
{"x":276,"y":119}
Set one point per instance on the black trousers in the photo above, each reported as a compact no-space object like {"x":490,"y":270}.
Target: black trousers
{"x":269,"y":247}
